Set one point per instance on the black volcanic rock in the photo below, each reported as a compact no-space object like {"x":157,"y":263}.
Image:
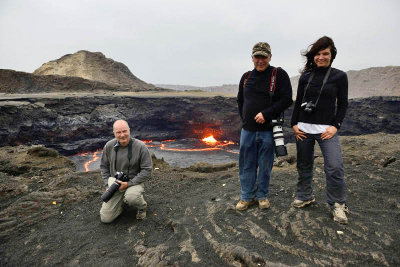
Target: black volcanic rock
{"x":73,"y":124}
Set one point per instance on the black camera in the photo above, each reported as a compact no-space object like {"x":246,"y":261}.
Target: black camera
{"x":308,"y":106}
{"x":277,"y":131}
{"x":114,"y":187}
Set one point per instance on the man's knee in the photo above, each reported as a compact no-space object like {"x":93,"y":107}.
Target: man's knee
{"x":109,"y":215}
{"x":106,"y":218}
{"x":134,"y":199}
{"x":134,"y":196}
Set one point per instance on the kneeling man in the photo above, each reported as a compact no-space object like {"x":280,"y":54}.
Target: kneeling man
{"x":130,"y":156}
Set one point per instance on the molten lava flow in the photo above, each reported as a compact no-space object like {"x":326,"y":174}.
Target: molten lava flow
{"x":209,"y":140}
{"x":94,"y":158}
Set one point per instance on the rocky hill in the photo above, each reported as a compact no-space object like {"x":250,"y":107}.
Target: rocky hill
{"x":13,"y":82}
{"x":93,"y":66}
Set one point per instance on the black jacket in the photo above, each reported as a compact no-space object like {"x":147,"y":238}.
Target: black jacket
{"x":255,"y":98}
{"x":332,"y":105}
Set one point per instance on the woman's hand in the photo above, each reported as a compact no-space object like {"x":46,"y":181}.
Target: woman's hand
{"x":329,"y":133}
{"x":299,"y":134}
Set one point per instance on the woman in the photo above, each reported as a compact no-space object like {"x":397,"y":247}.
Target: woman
{"x":319,"y":110}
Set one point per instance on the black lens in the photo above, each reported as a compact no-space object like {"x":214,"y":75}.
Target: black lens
{"x":280,"y":151}
{"x":110,"y":192}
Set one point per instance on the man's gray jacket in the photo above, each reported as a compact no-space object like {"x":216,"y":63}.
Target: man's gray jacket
{"x":115,"y":158}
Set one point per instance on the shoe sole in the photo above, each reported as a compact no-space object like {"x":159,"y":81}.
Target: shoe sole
{"x":341,"y":222}
{"x":305,"y":203}
{"x":261,"y":207}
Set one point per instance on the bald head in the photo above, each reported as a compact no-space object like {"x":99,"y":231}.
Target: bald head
{"x":122,"y":132}
{"x":119,"y":123}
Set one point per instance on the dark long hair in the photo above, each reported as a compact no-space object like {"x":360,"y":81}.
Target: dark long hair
{"x":321,"y":44}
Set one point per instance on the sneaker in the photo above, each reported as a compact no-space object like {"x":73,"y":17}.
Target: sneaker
{"x":141,"y":214}
{"x":339,"y":213}
{"x":242,"y":205}
{"x":302,"y":203}
{"x":263,"y":203}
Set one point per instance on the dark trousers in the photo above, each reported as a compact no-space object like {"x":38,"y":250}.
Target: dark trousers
{"x":333,"y":166}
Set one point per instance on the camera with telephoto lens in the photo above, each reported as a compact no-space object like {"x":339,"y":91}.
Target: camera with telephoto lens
{"x":114,"y":187}
{"x":308,"y":106}
{"x":280,"y":148}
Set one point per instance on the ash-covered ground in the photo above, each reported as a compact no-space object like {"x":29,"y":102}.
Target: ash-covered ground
{"x":49,"y":214}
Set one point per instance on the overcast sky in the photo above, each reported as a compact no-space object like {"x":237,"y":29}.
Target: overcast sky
{"x":204,"y":42}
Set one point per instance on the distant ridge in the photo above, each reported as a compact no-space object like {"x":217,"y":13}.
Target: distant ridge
{"x":374,"y":81}
{"x":93,"y":66}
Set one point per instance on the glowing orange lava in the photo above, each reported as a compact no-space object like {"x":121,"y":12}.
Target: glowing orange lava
{"x":209,"y":140}
{"x":94,"y":158}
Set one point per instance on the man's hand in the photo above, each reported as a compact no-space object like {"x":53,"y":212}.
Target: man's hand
{"x":259,"y":118}
{"x":329,"y":133}
{"x":299,"y":134}
{"x":124,"y":185}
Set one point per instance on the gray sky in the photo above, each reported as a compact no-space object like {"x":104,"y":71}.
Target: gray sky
{"x":206,"y":42}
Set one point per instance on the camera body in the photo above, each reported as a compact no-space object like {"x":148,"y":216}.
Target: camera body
{"x":308,"y":106}
{"x":277,"y":131}
{"x":114,"y":187}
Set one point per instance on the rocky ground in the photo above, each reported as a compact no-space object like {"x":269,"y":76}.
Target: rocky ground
{"x":50,"y":214}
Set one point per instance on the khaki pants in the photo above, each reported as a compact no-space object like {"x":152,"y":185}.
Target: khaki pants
{"x":132,"y":196}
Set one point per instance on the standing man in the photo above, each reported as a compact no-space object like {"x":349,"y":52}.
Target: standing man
{"x":130,"y":156}
{"x":257,"y":107}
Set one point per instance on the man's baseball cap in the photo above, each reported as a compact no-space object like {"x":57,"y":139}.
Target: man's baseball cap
{"x":261,"y":49}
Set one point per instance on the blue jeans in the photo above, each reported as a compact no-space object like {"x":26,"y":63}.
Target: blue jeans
{"x":333,"y":166}
{"x":256,"y":153}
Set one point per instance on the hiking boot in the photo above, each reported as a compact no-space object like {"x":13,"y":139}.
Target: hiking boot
{"x":263,"y":203}
{"x":302,"y":203}
{"x":339,"y":213}
{"x":141,"y":214}
{"x":242,"y":205}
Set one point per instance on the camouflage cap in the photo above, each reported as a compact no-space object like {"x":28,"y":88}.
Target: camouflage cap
{"x":261,"y":49}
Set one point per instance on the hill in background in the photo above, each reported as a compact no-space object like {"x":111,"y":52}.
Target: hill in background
{"x":93,"y":66}
{"x":86,"y":71}
{"x":375,"y":81}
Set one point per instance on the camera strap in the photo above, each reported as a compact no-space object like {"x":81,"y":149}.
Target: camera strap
{"x":129,"y":154}
{"x":322,"y":87}
{"x":246,"y":77}
{"x":272,"y":81}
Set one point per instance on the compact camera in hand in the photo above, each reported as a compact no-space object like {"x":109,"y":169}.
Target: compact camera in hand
{"x":114,"y":187}
{"x":308,"y":106}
